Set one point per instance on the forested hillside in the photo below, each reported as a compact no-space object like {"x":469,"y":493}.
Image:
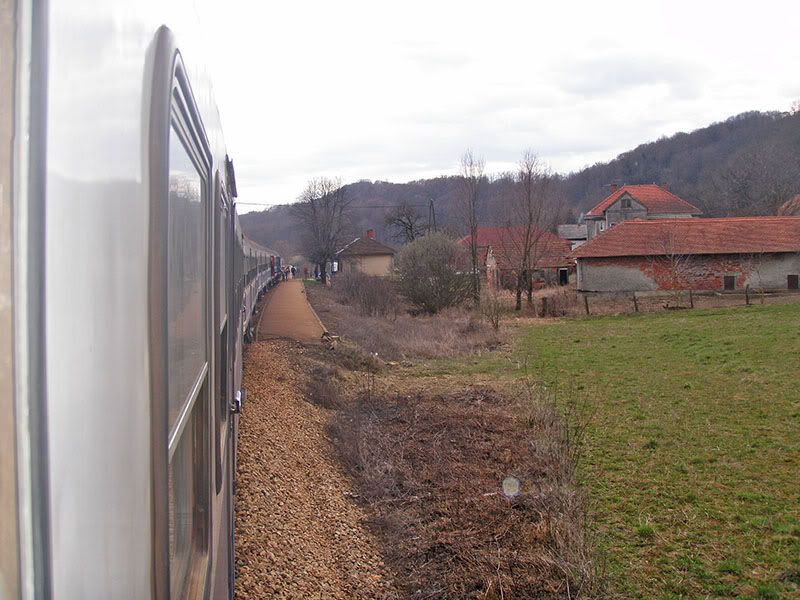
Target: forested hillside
{"x":746,"y":165}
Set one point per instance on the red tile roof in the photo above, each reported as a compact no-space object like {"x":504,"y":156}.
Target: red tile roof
{"x":507,"y":242}
{"x":743,"y":235}
{"x":656,"y":199}
{"x":365,"y":247}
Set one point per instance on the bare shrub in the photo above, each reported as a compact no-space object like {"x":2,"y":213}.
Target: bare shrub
{"x":354,"y":358}
{"x":492,"y":308}
{"x":369,"y":294}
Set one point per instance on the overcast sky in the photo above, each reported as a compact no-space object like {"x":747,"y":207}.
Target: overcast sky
{"x":398,"y":91}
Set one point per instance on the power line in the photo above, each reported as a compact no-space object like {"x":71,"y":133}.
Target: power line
{"x":359,"y":207}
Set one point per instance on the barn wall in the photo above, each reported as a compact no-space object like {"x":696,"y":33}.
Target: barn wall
{"x":641,"y":274}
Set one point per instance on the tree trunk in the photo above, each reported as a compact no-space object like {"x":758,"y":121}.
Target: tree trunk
{"x":529,"y":275}
{"x":476,"y":272}
{"x":518,"y":306}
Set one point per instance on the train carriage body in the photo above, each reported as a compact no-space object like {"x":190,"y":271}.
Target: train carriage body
{"x":126,"y":290}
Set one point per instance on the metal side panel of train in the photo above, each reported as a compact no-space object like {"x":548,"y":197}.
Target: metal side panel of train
{"x":126,"y":286}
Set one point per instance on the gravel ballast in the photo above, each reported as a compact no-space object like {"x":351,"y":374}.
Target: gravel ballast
{"x":299,"y":531}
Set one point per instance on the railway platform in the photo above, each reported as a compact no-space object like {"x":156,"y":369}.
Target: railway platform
{"x":289,"y":315}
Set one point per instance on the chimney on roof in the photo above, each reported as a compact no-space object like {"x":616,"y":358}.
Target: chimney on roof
{"x":613,"y":187}
{"x":665,"y":186}
{"x":370,"y":234}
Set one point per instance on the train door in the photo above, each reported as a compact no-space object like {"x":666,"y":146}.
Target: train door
{"x":182,"y":338}
{"x":223,"y":532}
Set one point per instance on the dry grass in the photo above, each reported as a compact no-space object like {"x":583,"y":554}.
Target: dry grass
{"x":368,"y":294}
{"x":429,"y":460}
{"x":449,"y":333}
{"x":323,"y":387}
{"x":429,"y":470}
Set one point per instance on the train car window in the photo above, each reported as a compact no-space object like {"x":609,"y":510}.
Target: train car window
{"x":186,"y":278}
{"x":222,"y":406}
{"x":223,"y":262}
{"x":188,"y":338}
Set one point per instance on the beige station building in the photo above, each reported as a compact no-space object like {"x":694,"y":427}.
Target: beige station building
{"x":366,"y":255}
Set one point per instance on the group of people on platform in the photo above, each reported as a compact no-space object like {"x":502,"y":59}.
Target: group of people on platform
{"x":288,"y":273}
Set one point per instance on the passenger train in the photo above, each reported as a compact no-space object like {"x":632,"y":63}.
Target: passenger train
{"x":127,"y":289}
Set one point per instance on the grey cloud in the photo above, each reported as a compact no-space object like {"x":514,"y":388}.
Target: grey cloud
{"x":614,"y":74}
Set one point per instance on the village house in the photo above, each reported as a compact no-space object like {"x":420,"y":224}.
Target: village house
{"x":636,"y":202}
{"x":762,"y":253}
{"x":500,"y":256}
{"x":574,"y":234}
{"x":366,"y":255}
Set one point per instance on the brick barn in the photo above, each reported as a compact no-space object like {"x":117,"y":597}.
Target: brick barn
{"x":698,"y":254}
{"x":500,"y":252}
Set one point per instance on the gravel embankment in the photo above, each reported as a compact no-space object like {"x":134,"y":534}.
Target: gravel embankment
{"x":299,"y":533}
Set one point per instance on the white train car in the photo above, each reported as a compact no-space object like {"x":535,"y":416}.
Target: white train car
{"x":126,"y":287}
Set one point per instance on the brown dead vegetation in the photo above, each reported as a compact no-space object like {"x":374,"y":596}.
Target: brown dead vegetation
{"x":401,"y":336}
{"x":429,"y":471}
{"x":428,"y":460}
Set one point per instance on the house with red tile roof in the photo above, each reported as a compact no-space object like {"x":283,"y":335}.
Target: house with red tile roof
{"x":636,"y":202}
{"x":762,"y":253}
{"x":366,"y":255}
{"x":500,"y":255}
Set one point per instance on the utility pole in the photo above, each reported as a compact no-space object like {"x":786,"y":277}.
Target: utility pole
{"x":431,"y":216}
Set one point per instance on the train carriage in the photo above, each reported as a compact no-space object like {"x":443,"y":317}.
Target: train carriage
{"x":126,"y":291}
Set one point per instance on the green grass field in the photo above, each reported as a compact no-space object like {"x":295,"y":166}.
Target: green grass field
{"x":692,"y":458}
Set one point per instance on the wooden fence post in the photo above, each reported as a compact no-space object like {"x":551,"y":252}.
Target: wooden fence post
{"x":586,"y":303}
{"x":635,"y":303}
{"x":747,"y":295}
{"x":691,"y":299}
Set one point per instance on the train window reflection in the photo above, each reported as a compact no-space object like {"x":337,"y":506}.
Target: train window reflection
{"x":181,"y":508}
{"x":186,"y":277}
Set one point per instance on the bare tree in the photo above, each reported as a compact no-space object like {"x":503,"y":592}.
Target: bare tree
{"x":757,"y":181}
{"x":322,"y":212}
{"x":671,"y":262}
{"x":754,"y":262}
{"x":470,"y":184}
{"x":406,"y":223}
{"x":531,"y":212}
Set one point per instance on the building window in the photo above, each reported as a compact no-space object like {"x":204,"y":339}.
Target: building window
{"x":791,"y":282}
{"x":730,"y":282}
{"x":626,"y":203}
{"x":602,"y":226}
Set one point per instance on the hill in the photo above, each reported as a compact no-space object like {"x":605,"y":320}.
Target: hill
{"x":746,"y":165}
